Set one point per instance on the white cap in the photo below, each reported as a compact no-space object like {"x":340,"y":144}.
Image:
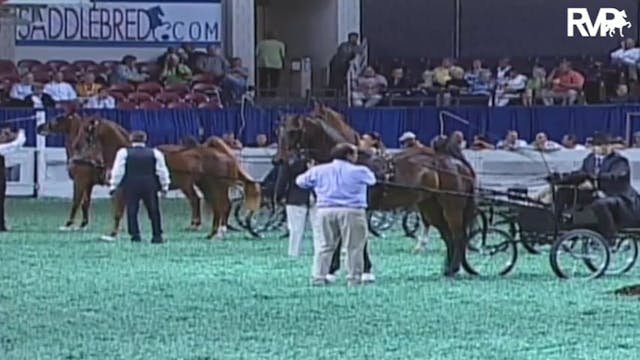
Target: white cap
{"x":407,"y":136}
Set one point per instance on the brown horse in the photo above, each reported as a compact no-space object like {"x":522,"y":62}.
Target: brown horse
{"x":440,"y":186}
{"x":211,"y":167}
{"x":86,"y":173}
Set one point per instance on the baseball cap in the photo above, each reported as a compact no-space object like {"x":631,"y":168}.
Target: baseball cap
{"x":407,"y":136}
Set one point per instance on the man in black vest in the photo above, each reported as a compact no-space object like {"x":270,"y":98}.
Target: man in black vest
{"x":141,"y":172}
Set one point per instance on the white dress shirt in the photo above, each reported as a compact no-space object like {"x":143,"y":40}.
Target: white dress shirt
{"x":119,"y":168}
{"x":516,"y":145}
{"x":20,"y":91}
{"x":16,"y":144}
{"x":97,"y":102}
{"x":60,"y":91}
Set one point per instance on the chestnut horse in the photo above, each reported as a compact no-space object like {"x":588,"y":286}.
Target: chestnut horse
{"x":211,"y":167}
{"x":440,"y":186}
{"x":86,"y":174}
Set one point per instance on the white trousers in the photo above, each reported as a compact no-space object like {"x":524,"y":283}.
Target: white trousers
{"x":296,"y":221}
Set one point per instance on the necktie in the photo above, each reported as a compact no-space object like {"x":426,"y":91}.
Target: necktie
{"x":598,"y":164}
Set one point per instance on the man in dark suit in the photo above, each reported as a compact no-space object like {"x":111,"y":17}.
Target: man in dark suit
{"x":141,"y":172}
{"x":618,"y":204}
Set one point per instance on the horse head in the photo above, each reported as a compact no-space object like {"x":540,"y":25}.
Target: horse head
{"x":67,"y":124}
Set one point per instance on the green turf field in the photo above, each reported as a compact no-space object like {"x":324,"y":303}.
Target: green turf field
{"x":68,"y":296}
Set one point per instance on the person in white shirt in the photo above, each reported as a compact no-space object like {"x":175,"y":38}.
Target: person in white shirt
{"x":542,"y":143}
{"x":9,"y":143}
{"x":101,"y":101}
{"x":19,"y":91}
{"x":59,"y":89}
{"x":511,"y":142}
{"x":627,"y":54}
{"x":570,"y":142}
{"x":513,"y":88}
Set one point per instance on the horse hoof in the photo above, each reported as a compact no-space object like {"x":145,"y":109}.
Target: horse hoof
{"x":67,"y":228}
{"x":193,"y":228}
{"x":108,"y":238}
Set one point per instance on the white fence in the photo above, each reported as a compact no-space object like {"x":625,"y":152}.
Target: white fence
{"x":497,"y":169}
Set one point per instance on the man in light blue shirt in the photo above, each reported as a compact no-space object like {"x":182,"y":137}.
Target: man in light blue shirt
{"x":341,"y":193}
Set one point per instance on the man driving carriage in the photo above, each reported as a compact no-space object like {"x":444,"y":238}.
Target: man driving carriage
{"x":616,"y":203}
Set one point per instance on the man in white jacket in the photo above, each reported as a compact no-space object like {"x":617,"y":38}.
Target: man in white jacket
{"x":9,"y":142}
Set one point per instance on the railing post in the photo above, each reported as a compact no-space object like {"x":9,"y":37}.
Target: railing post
{"x":41,"y":144}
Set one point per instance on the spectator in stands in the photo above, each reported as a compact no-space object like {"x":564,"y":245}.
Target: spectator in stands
{"x":369,"y":89}
{"x":398,"y":83}
{"x":503,"y":70}
{"x":126,"y":72}
{"x":214,"y":63}
{"x":511,"y":141}
{"x":482,"y":142}
{"x":474,"y":73}
{"x":270,"y":54}
{"x":628,"y":53}
{"x":339,"y":64}
{"x":513,"y":88}
{"x":618,"y":143}
{"x":636,"y":140}
{"x":542,"y":143}
{"x":236,"y":80}
{"x":87,"y":87}
{"x":59,"y":89}
{"x":483,"y":85}
{"x":162,"y":60}
{"x":442,"y":73}
{"x":101,"y":101}
{"x":566,"y":85}
{"x":190,"y":54}
{"x":426,"y":86}
{"x":458,"y":138}
{"x":535,"y":86}
{"x":262,"y":141}
{"x":230,"y":139}
{"x":20,"y":90}
{"x":455,"y":86}
{"x":570,"y":142}
{"x":622,"y":94}
{"x":39,"y":99}
{"x":408,"y":140}
{"x":175,"y":71}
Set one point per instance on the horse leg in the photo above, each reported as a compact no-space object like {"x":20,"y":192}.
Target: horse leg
{"x":194,"y":200}
{"x":433,"y":214}
{"x":208,"y":190}
{"x":86,"y":205}
{"x":223,"y":205}
{"x":423,"y":236}
{"x":118,"y":205}
{"x":455,"y":220}
{"x":79,"y":187}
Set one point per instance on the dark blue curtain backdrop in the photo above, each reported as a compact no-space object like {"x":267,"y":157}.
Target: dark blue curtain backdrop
{"x":408,"y":28}
{"x":169,"y":126}
{"x":488,"y":28}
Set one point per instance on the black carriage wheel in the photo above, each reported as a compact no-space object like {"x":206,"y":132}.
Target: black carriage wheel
{"x":256,"y":231}
{"x":410,"y":224}
{"x":632,"y":248}
{"x":372,"y":228}
{"x":560,"y":246}
{"x":487,"y":246}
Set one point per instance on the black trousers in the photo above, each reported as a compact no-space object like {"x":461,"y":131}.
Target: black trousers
{"x":611,"y":212}
{"x":3,"y":192}
{"x":335,"y":261}
{"x":269,"y":80}
{"x":149,"y":197}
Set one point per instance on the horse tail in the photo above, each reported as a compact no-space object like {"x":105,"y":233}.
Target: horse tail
{"x":251,"y":187}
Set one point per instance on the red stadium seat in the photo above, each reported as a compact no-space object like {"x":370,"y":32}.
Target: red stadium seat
{"x":203,"y":78}
{"x":42,"y":77}
{"x":10,"y":78}
{"x":151,"y":88}
{"x":70,"y":68}
{"x":124,"y":104}
{"x":139,"y":97}
{"x":28,"y":63}
{"x":69,"y":76}
{"x":39,"y":68}
{"x":8,"y":67}
{"x":213,"y":104}
{"x":149,"y":68}
{"x":151,"y":105}
{"x":168,"y":97}
{"x":205,"y":88}
{"x":56,"y":64}
{"x":84,"y":64}
{"x":196,"y":98}
{"x":179,"y":89}
{"x":178,"y":105}
{"x":122,"y":88}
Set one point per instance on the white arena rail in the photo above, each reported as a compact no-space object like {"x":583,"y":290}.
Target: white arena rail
{"x":497,"y":169}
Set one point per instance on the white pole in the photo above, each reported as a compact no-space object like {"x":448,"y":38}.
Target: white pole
{"x":41,"y":144}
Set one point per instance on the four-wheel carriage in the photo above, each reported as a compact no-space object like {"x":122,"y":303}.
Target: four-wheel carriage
{"x":566,"y":226}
